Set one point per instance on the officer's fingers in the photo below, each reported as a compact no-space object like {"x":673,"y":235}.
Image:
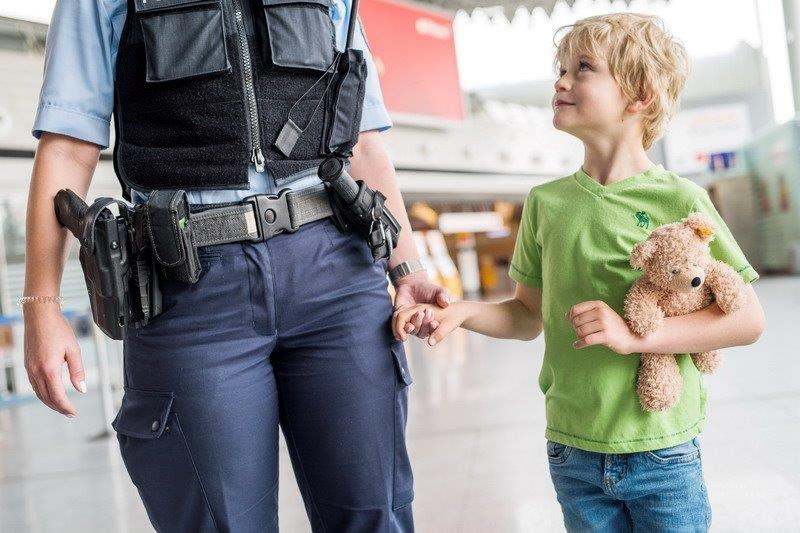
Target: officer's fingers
{"x":443,"y":298}
{"x":425,"y":328}
{"x":38,"y":388}
{"x":409,"y":326}
{"x":403,"y":328}
{"x":55,"y":391}
{"x":417,"y":321}
{"x":36,"y":375}
{"x":400,"y":321}
{"x":75,"y":365}
{"x":397,"y":325}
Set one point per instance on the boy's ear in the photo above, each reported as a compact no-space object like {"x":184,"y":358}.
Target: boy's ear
{"x":641,"y":253}
{"x":702,"y":226}
{"x":642,"y":103}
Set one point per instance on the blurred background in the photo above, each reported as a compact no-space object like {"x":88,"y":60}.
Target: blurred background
{"x":468,"y":85}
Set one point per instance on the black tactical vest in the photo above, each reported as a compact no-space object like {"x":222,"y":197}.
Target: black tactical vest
{"x":203,"y":88}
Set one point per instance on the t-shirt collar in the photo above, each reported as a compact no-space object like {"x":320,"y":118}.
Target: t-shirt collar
{"x":593,"y":186}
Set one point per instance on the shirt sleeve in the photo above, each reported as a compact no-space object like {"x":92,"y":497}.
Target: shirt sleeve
{"x":526,"y":262}
{"x":374,"y":115}
{"x":77,"y":93}
{"x":724,"y":247}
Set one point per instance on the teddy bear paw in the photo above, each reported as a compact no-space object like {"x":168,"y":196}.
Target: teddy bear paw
{"x":659,"y":385}
{"x":707,"y":362}
{"x":645,"y":321}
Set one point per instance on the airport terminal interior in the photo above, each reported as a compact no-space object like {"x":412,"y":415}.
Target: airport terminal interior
{"x":476,"y":441}
{"x":471,"y":135}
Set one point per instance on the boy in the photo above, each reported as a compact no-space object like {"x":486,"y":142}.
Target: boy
{"x":615,"y":466}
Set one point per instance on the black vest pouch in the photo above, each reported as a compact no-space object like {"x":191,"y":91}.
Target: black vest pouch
{"x":182,"y":38}
{"x":170,"y":233}
{"x":299,"y":34}
{"x":348,"y":103}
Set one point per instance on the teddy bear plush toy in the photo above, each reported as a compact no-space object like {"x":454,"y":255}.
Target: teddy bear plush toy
{"x":679,"y":277}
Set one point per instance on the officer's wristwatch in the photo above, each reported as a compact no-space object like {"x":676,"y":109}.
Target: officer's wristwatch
{"x":405,"y":268}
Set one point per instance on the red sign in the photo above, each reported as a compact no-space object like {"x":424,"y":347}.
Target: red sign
{"x":415,"y":55}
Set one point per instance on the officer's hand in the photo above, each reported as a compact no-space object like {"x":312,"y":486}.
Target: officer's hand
{"x":49,"y":342}
{"x":414,"y":289}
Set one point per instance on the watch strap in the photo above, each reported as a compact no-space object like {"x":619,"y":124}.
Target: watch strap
{"x":405,"y":268}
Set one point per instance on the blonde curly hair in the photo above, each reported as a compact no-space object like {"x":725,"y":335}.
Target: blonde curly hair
{"x":643,"y":57}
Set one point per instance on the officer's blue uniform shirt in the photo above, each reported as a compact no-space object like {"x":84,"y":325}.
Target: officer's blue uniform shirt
{"x":77,"y":95}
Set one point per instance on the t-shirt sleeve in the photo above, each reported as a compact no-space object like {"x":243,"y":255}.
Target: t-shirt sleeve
{"x":526,"y":263}
{"x":724,"y":247}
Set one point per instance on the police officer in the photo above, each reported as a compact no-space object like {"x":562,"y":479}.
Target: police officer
{"x":227,"y":99}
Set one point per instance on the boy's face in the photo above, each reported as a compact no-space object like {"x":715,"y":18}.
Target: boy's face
{"x":588,"y":102}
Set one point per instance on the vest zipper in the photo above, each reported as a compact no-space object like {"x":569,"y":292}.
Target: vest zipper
{"x":256,"y":156}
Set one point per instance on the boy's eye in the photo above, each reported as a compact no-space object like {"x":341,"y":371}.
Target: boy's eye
{"x":561,"y":72}
{"x":583,"y":65}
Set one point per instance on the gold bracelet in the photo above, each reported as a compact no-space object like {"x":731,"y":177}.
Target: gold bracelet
{"x":45,"y":299}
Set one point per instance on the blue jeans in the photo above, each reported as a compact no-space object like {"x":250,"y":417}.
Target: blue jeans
{"x":657,"y":490}
{"x":291,"y":333}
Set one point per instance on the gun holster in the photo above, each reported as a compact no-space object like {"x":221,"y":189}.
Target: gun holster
{"x":121,"y":280}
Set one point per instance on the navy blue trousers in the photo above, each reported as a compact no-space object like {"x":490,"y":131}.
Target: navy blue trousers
{"x":293,"y":332}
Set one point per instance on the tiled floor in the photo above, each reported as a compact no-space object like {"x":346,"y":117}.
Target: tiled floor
{"x":475,"y":435}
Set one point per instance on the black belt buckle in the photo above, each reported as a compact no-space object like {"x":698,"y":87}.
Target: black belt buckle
{"x":272,"y":213}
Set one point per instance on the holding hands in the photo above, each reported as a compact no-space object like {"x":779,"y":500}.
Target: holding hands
{"x":409,"y":320}
{"x":417,"y":290}
{"x":516,"y":318}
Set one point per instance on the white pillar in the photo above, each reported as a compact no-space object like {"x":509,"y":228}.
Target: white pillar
{"x":791,"y":21}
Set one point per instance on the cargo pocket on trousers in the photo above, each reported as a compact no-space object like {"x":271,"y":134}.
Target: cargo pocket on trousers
{"x":159,"y":462}
{"x":298,"y":34}
{"x":403,"y":492}
{"x":182,"y":38}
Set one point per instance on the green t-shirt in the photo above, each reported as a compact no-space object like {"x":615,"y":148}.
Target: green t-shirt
{"x":574,"y":242}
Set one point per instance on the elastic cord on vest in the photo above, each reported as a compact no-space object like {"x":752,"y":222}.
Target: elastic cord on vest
{"x":291,"y":132}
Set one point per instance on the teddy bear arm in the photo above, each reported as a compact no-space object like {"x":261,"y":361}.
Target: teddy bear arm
{"x":727,"y":286}
{"x":642,"y":311}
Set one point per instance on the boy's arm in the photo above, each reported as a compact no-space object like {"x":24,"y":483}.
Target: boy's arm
{"x":708,"y":329}
{"x":517,"y":318}
{"x":702,"y":331}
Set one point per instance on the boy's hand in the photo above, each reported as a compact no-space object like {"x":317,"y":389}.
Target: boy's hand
{"x":595,"y":322}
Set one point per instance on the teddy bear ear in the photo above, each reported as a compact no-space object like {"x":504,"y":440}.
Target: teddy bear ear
{"x":702,"y":226}
{"x":641,"y":253}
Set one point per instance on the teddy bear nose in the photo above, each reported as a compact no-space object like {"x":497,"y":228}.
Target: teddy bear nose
{"x":696,"y":282}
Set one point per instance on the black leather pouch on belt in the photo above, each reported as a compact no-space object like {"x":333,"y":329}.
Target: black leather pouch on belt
{"x":170,"y":233}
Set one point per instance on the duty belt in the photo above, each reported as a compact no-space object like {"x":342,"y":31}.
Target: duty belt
{"x":259,"y":217}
